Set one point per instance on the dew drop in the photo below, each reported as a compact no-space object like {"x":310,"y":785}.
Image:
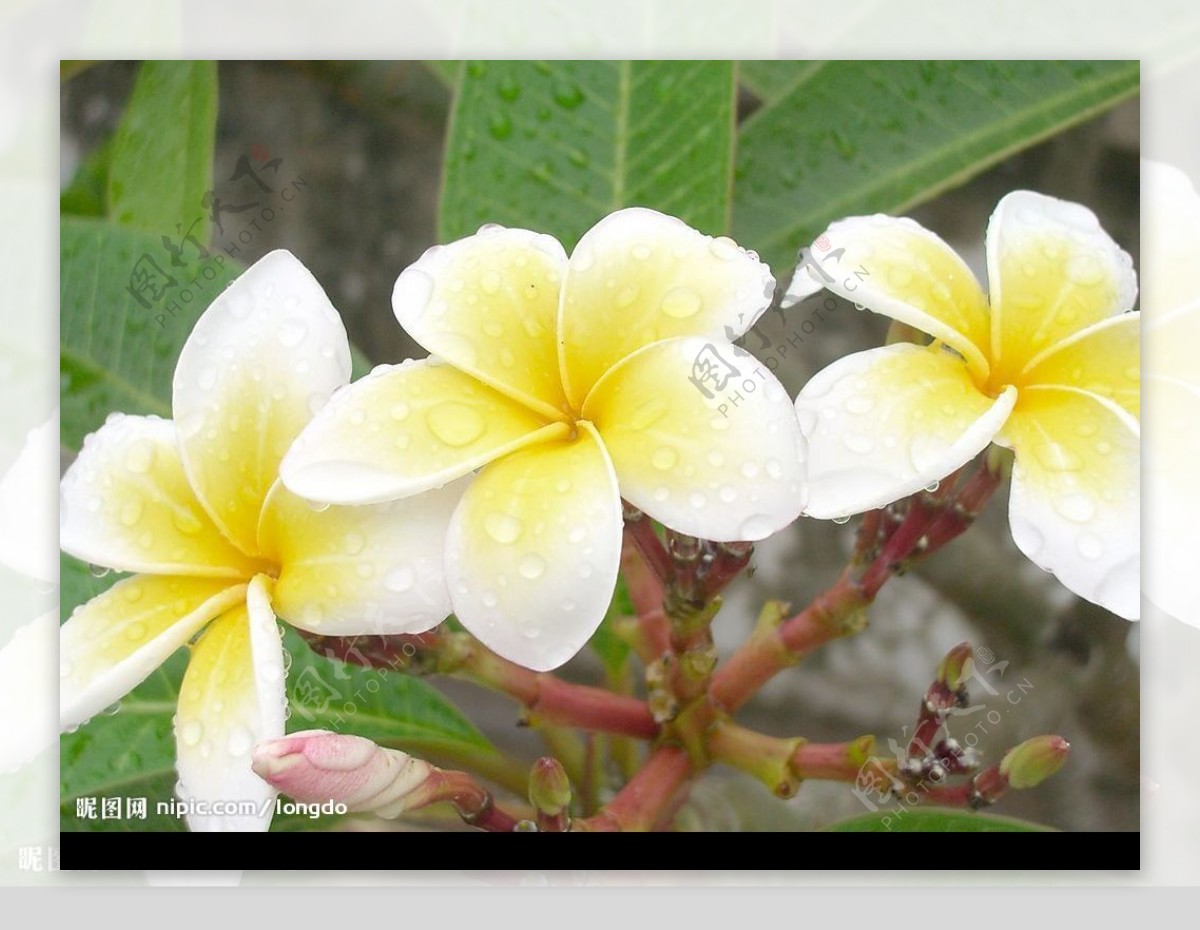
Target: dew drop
{"x":131,"y":512}
{"x":532,"y":566}
{"x":291,"y":333}
{"x":455,"y":424}
{"x":191,"y":733}
{"x":1090,"y":547}
{"x":399,"y":412}
{"x":664,"y":458}
{"x":504,"y":528}
{"x":140,"y":457}
{"x":681,"y":303}
{"x":842,"y":520}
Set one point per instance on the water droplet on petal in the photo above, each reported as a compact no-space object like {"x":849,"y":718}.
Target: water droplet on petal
{"x":532,"y":566}
{"x":191,"y":733}
{"x":504,"y":528}
{"x":664,"y":458}
{"x":455,"y":424}
{"x":1090,"y":547}
{"x":291,"y":333}
{"x":131,"y":512}
{"x":681,"y":303}
{"x":842,"y":520}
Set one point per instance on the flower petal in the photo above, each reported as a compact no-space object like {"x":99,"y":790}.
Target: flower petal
{"x":639,"y":276}
{"x":28,"y":543}
{"x":895,"y":266}
{"x":1170,"y":259}
{"x":1074,"y":503}
{"x":26,"y":677}
{"x":1171,"y":507}
{"x":1052,"y":271}
{"x":1103,"y":359}
{"x":718,"y":459}
{"x":110,"y":644}
{"x":262,"y":359}
{"x":884,"y":423}
{"x":126,"y":503}
{"x":533,"y":550}
{"x":374,"y":569}
{"x":406,"y":429}
{"x":488,"y":304}
{"x":232,"y":698}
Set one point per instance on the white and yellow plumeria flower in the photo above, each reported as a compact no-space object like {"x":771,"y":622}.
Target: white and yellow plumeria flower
{"x":570,"y":383}
{"x":1046,"y":363}
{"x":1171,"y":302}
{"x":194,"y":507}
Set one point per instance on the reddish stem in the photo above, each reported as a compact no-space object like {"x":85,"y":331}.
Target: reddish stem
{"x":646,"y":592}
{"x":646,"y":800}
{"x":474,"y":803}
{"x":641,"y":531}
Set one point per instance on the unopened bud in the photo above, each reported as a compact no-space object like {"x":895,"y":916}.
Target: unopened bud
{"x":957,"y":666}
{"x":315,"y":766}
{"x":1034,"y":761}
{"x":549,"y":787}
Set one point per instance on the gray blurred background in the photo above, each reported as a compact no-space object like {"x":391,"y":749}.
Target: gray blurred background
{"x":368,"y":137}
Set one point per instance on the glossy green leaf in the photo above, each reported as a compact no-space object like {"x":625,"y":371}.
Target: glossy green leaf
{"x":119,"y":341}
{"x":162,"y":161}
{"x":853,"y":137}
{"x":555,"y":146}
{"x":769,"y":80}
{"x":935,"y":820}
{"x":86,"y":194}
{"x":131,"y":751}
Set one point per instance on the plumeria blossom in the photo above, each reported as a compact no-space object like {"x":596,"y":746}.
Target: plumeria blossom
{"x":1046,"y":364}
{"x":220,"y":548}
{"x":569,"y":384}
{"x":1171,"y":301}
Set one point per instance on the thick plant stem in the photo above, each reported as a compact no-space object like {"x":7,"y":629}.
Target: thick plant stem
{"x":547,"y":698}
{"x":777,"y":644}
{"x":640,"y":531}
{"x":652,"y":635}
{"x":647,"y":799}
{"x":471,"y":800}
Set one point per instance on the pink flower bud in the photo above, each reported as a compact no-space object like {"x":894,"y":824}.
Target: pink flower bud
{"x":315,"y":766}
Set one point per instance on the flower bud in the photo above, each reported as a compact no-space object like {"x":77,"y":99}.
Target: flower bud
{"x":956,"y":667}
{"x":318,"y":766}
{"x":1034,"y":761}
{"x":549,"y":787}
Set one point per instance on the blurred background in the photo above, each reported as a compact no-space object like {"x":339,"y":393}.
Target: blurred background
{"x":367,"y":139}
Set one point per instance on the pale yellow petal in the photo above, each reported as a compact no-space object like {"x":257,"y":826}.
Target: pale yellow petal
{"x":125,"y":503}
{"x":406,"y":429}
{"x":639,"y":276}
{"x":488,"y":305}
{"x":885,"y":423}
{"x":372,"y":569}
{"x":896,"y":267}
{"x":1074,"y":508}
{"x":1170,"y":254}
{"x":720,"y":458}
{"x":110,"y":644}
{"x":1052,"y":271}
{"x":1103,"y":359}
{"x":261,"y":360}
{"x":533,"y":550}
{"x":232,"y":698}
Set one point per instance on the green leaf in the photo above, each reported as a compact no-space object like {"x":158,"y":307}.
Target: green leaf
{"x":935,"y":820}
{"x":131,"y":753}
{"x":555,"y":146}
{"x":769,"y":80}
{"x":118,"y":348}
{"x":162,"y":159}
{"x":88,"y":189}
{"x":853,"y":137}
